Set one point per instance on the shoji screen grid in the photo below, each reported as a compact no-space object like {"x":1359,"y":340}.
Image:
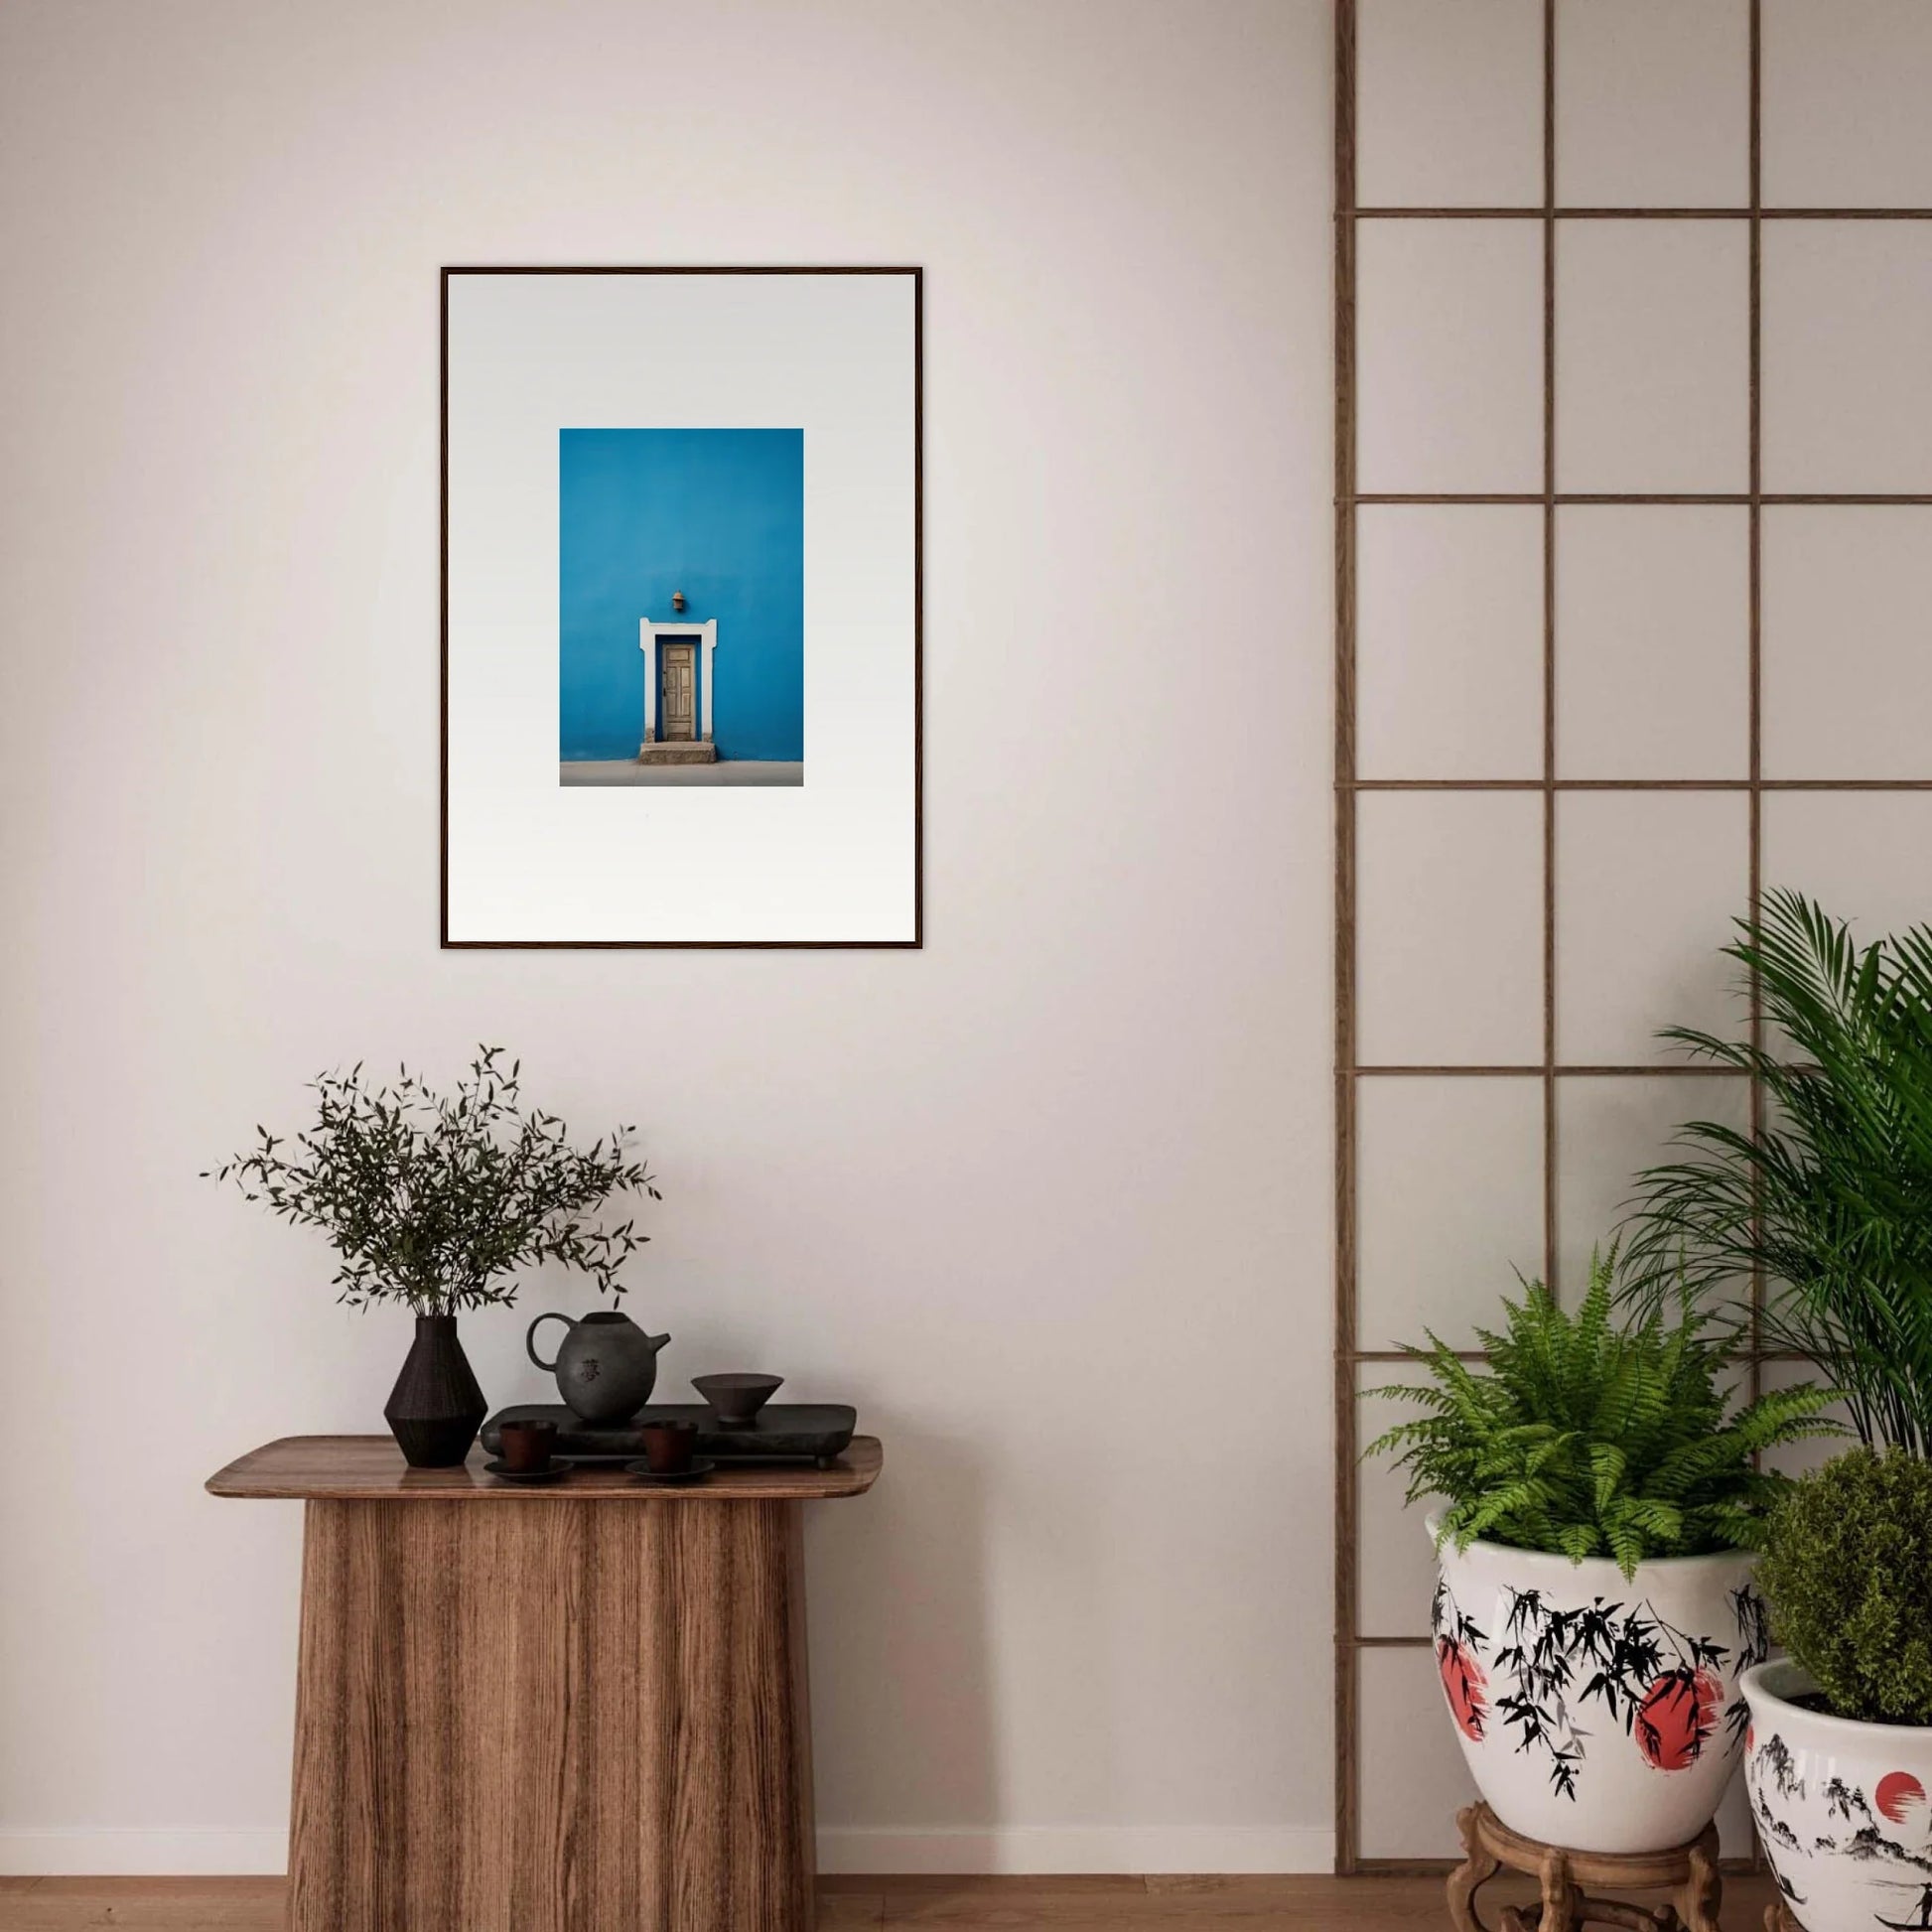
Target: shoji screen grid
{"x":1631,"y":466}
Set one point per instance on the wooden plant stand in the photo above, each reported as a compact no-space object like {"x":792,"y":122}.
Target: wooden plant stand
{"x":1491,"y":1847}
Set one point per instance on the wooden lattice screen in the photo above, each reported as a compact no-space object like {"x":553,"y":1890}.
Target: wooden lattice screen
{"x":1632,"y":568}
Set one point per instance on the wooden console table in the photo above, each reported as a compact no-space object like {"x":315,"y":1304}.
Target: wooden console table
{"x":575,"y":1707}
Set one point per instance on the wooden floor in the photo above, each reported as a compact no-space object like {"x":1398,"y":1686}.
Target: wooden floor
{"x":959,"y":1904}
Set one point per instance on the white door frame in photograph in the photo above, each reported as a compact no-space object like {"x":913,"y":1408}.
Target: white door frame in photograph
{"x":647,"y":635}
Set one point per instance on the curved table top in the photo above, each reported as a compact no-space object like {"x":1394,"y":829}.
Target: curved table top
{"x":371,"y":1468}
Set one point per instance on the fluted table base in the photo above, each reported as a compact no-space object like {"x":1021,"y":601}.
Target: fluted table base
{"x":573,"y":1718}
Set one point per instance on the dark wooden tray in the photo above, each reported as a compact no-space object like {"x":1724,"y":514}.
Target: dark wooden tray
{"x":782,"y":1432}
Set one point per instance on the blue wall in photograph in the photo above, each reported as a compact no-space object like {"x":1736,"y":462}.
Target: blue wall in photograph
{"x":717,"y":513}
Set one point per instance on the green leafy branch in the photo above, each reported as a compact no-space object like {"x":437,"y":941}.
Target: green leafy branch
{"x":435,"y":1200}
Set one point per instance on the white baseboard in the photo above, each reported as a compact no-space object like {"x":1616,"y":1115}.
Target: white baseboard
{"x":948,"y":1851}
{"x":82,"y":1854}
{"x":1041,"y":1849}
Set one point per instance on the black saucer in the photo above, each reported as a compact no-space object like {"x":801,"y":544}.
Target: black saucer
{"x":701,"y":1465}
{"x":505,"y":1474}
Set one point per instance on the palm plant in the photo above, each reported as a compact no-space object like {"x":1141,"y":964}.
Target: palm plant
{"x":1588,"y":1438}
{"x":1829,"y":1203}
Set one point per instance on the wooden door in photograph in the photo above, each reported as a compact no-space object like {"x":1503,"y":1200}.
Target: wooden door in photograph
{"x":681,"y":693}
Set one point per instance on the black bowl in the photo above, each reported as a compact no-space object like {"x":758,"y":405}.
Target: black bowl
{"x":736,"y":1399}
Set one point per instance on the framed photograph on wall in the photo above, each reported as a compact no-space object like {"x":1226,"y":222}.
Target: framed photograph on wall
{"x":681,"y":626}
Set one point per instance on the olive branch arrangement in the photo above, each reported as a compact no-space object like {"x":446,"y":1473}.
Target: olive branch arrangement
{"x":435,"y":1200}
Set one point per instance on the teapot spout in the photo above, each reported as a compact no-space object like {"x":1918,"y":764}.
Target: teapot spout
{"x":657,"y":1343}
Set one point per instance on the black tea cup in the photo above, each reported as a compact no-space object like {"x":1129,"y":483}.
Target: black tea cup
{"x":526,"y":1446}
{"x":669,"y":1446}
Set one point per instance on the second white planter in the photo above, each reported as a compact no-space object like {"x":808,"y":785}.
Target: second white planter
{"x":1842,"y":1808}
{"x":1596,"y":1713}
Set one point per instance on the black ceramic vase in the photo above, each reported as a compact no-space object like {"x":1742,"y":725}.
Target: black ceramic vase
{"x":435,"y":1407}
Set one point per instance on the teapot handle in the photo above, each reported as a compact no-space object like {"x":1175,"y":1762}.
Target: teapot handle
{"x":530,"y":1339}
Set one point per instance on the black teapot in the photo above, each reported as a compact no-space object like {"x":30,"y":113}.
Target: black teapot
{"x":605,"y":1367}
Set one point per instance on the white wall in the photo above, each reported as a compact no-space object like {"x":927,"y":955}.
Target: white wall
{"x":1047,"y":1194}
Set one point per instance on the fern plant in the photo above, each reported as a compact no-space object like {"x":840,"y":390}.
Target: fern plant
{"x":1829,"y":1201}
{"x":1590,"y":1437}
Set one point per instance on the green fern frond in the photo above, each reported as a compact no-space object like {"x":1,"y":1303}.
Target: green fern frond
{"x":1588,"y":1435}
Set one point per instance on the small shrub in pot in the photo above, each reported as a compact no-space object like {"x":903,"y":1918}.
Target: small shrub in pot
{"x":1839,"y":1757}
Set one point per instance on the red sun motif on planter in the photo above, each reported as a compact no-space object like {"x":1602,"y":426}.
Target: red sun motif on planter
{"x":1897,"y":1793}
{"x":1678,"y":1713}
{"x":1465,"y":1685}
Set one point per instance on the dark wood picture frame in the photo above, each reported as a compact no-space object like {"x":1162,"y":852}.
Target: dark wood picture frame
{"x":917,"y":940}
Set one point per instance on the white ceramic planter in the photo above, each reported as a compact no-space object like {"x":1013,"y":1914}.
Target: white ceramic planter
{"x":1595,"y":1712}
{"x":1845,"y":1808}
